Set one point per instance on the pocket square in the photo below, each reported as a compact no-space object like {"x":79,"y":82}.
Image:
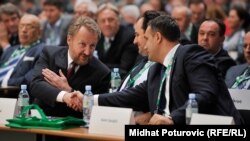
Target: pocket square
{"x":27,"y":58}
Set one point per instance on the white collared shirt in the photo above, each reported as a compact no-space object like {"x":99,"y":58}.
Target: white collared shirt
{"x":167,"y":61}
{"x":59,"y":97}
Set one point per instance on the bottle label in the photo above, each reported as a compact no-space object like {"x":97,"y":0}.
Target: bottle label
{"x":115,"y":83}
{"x":23,"y":101}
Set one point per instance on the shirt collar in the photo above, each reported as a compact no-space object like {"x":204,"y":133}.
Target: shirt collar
{"x":70,"y":60}
{"x":109,"y":39}
{"x":30,"y":45}
{"x":57,"y":24}
{"x":170,"y":55}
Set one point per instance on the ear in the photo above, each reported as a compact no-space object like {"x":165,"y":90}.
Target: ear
{"x":158,"y":37}
{"x":69,"y":39}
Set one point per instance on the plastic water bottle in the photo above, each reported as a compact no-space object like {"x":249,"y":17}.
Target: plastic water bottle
{"x":88,"y":102}
{"x":23,"y":99}
{"x":192,"y":107}
{"x":115,"y":79}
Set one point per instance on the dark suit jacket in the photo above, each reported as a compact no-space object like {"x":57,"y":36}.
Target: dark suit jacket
{"x":224,"y":61}
{"x":122,"y":52}
{"x":23,"y":72}
{"x":193,"y":71}
{"x":94,"y":73}
{"x":233,"y":72}
{"x":13,"y":42}
{"x":66,"y":20}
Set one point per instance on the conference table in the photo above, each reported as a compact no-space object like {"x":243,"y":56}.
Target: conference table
{"x":73,"y":134}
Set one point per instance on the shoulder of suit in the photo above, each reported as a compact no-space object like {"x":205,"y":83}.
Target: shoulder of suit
{"x":97,"y":64}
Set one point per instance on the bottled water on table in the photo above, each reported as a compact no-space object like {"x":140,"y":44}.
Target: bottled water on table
{"x":192,"y":107}
{"x":115,"y":79}
{"x":23,"y":99}
{"x":88,"y":102}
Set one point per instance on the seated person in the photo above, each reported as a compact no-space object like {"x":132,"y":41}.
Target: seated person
{"x":238,"y":77}
{"x":211,"y":37}
{"x":17,"y":62}
{"x":179,"y":71}
{"x":61,"y":70}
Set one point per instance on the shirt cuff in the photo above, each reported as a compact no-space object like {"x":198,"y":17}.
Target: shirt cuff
{"x":59,"y":97}
{"x":96,"y":100}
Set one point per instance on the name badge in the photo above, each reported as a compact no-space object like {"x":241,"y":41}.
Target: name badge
{"x":110,"y":120}
{"x":207,"y":119}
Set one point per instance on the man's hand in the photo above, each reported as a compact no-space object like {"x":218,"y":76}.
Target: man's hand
{"x":73,"y":100}
{"x":160,"y":120}
{"x":55,"y":80}
{"x":4,"y":37}
{"x":143,"y":119}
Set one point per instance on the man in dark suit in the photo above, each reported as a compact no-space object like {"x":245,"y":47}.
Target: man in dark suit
{"x":56,"y":26}
{"x":180,"y":70}
{"x":9,"y":17}
{"x":115,"y":48}
{"x":239,"y":76}
{"x":17,"y":62}
{"x":211,"y":37}
{"x":51,"y":88}
{"x":139,"y":72}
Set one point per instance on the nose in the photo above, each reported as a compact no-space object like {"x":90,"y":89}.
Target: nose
{"x":88,"y":51}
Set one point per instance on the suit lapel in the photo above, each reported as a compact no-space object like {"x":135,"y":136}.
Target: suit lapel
{"x":62,"y":61}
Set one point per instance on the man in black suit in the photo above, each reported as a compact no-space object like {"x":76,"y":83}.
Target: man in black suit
{"x":211,"y":37}
{"x":180,"y":70}
{"x":238,"y":77}
{"x":139,"y":72}
{"x":50,"y":86}
{"x":115,"y":48}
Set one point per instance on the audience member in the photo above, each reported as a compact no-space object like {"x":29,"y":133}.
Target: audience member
{"x":115,"y":48}
{"x":180,"y":70}
{"x":61,"y":70}
{"x":211,"y":37}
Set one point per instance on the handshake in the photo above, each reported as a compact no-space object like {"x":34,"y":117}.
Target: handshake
{"x":74,"y":100}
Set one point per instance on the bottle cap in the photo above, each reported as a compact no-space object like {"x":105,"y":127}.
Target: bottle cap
{"x":88,"y":87}
{"x":116,"y":69}
{"x":23,"y":87}
{"x":191,"y":96}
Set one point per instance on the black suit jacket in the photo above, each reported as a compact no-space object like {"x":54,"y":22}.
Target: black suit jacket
{"x":122,"y":52}
{"x":94,"y":73}
{"x":233,"y":72}
{"x":193,"y":71}
{"x":224,"y":61}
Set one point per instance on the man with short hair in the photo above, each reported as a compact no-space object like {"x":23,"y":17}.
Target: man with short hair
{"x":17,"y":62}
{"x":61,"y":70}
{"x":56,"y":26}
{"x":211,"y":37}
{"x":115,"y":47}
{"x":9,"y":20}
{"x":179,"y":70}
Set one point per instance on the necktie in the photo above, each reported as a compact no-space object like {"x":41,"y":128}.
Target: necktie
{"x":245,"y":79}
{"x":71,"y":70}
{"x":107,"y":44}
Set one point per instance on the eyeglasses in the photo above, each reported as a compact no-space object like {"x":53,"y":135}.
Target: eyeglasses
{"x":27,"y":26}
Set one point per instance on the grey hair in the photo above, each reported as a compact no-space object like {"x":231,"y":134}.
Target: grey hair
{"x":87,"y":22}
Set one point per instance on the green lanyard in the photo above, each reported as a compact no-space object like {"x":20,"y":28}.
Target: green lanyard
{"x":240,"y":79}
{"x":131,"y":81}
{"x":166,"y":72}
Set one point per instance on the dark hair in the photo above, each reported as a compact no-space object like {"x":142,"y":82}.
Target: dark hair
{"x":150,"y":15}
{"x":167,"y":26}
{"x":56,"y":3}
{"x":197,"y":2}
{"x":10,"y":9}
{"x":220,"y":23}
{"x":242,"y":13}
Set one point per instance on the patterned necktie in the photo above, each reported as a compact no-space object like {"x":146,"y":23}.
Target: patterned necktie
{"x":71,"y":70}
{"x":243,"y":84}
